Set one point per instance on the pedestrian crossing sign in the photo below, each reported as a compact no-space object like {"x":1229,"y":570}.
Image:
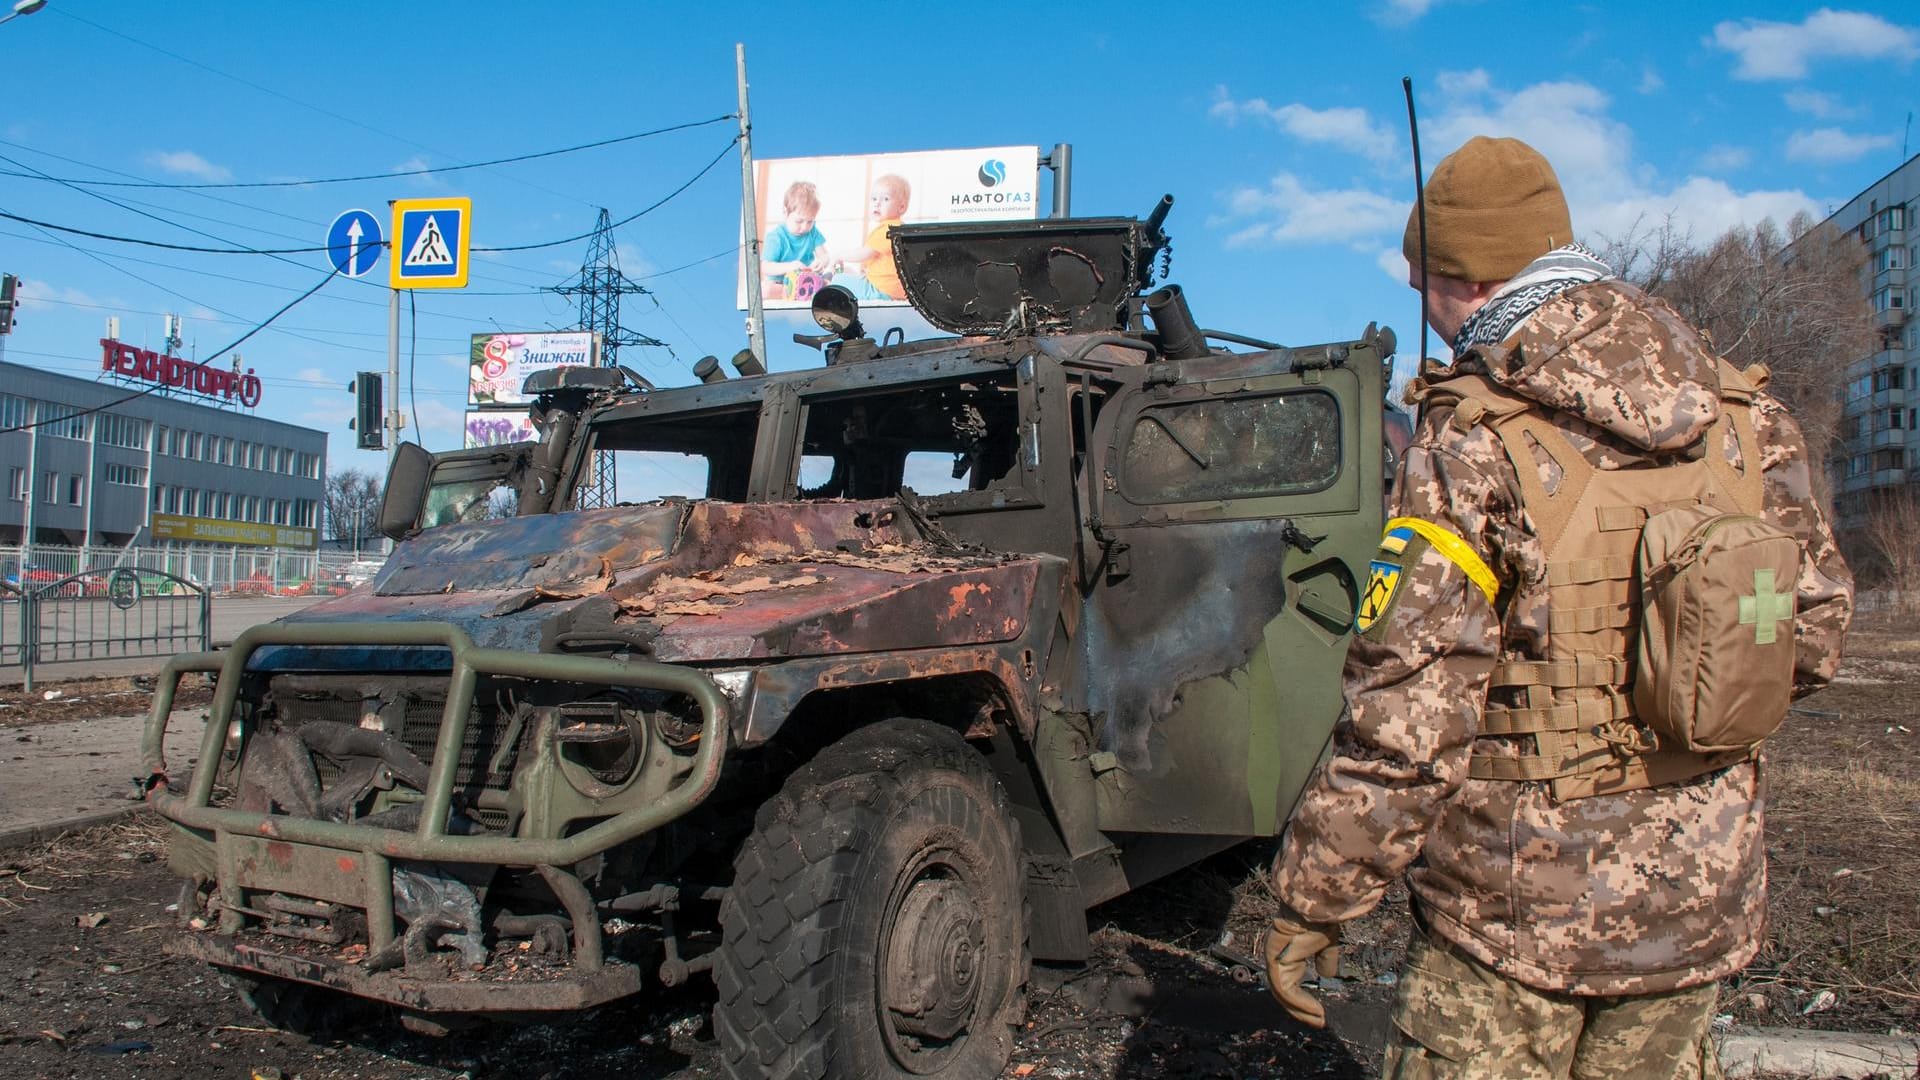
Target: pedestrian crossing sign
{"x":431,"y":238}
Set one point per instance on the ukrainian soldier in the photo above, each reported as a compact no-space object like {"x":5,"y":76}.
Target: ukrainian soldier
{"x":1605,"y":576}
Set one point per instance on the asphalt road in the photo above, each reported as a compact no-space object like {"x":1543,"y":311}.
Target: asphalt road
{"x":161,"y":619}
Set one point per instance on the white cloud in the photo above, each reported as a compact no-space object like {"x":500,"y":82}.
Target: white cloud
{"x":1287,"y":211}
{"x":1347,"y":127}
{"x":1608,"y":188}
{"x":33,"y":290}
{"x":1650,"y":81}
{"x":1816,"y":104}
{"x":1566,"y":121}
{"x":188,"y":163}
{"x":1831,"y":145}
{"x":1393,"y":264}
{"x":1402,"y":12}
{"x":415,"y":177}
{"x":1723,"y":158}
{"x":1464,"y":83}
{"x":1779,"y":50}
{"x":1701,"y":207}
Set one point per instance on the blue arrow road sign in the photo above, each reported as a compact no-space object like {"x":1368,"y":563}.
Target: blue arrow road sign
{"x":353,"y":242}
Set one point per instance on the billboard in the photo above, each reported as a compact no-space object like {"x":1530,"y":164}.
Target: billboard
{"x":825,"y":220}
{"x":496,"y":428}
{"x":499,"y":363}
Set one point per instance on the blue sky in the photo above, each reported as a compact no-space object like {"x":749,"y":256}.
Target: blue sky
{"x":1278,"y":127}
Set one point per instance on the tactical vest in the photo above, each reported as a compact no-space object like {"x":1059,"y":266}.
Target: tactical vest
{"x":1578,"y":702}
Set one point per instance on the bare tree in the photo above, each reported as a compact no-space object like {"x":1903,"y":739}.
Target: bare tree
{"x":1892,"y":534}
{"x":352,"y":504}
{"x":1791,"y":300}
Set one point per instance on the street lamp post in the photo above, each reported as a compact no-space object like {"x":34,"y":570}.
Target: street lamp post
{"x":22,"y":7}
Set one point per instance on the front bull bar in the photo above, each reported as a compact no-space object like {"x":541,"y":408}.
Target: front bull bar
{"x":430,"y":841}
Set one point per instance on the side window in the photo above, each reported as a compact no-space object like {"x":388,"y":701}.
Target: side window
{"x":694,"y":455}
{"x":945,"y":438}
{"x":1233,"y":448}
{"x":646,"y":475}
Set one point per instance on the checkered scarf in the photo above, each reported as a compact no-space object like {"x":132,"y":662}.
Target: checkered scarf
{"x":1543,"y":279}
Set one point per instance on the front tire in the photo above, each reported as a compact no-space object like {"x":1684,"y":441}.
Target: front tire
{"x":875,"y":926}
{"x":312,"y":1012}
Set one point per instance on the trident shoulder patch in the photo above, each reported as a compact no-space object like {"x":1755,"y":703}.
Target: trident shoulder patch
{"x":1383,"y":582}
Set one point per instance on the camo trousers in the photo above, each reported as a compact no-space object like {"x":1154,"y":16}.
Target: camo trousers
{"x":1456,"y":1019}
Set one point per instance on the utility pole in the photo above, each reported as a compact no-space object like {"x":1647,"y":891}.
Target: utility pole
{"x":393,"y":377}
{"x":1061,"y":162}
{"x":750,"y":217}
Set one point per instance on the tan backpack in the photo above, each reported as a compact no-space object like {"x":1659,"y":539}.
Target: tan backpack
{"x":1670,"y":606}
{"x":1715,"y":661}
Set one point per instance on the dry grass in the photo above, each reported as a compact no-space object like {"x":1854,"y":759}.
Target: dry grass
{"x":75,"y":859}
{"x":1843,"y":839}
{"x":1843,"y":831}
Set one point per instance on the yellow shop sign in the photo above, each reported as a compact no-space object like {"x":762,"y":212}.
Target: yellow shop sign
{"x":220,"y":531}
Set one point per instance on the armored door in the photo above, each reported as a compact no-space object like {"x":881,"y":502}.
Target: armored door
{"x":1234,"y":503}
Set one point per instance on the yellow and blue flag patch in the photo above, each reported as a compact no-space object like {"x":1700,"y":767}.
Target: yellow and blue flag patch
{"x":1383,"y":577}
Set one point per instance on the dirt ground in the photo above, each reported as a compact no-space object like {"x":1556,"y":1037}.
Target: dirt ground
{"x":101,"y":1000}
{"x":85,"y":992}
{"x":91,"y":699}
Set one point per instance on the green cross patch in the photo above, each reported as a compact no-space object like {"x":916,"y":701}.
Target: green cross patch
{"x":1765,"y":609}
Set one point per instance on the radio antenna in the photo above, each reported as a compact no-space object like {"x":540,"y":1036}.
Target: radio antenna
{"x":1420,"y":210}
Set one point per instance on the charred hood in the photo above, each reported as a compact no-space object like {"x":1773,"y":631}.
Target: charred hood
{"x":693,"y":581}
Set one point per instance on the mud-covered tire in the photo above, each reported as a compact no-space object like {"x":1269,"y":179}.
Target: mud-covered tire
{"x":314,"y":1012}
{"x":876,"y":924}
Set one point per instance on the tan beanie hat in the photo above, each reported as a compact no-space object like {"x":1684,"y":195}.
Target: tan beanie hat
{"x":1493,"y":206}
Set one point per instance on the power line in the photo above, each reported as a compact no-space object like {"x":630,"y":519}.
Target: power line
{"x":294,"y":100}
{"x":104,"y":259}
{"x":119,"y":172}
{"x":238,"y":225}
{"x":118,"y":309}
{"x":662,"y":201}
{"x":150,"y":283}
{"x":158,"y":243}
{"x":90,"y":234}
{"x":236,"y":343}
{"x":423,"y":171}
{"x":687,"y":266}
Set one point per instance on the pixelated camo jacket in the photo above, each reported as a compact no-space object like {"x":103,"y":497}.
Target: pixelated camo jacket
{"x":1627,"y":893}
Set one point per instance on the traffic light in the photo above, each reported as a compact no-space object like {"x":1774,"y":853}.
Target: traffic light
{"x":9,"y":287}
{"x":366,"y":422}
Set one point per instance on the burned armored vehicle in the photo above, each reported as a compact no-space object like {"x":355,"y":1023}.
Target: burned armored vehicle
{"x":949,"y":640}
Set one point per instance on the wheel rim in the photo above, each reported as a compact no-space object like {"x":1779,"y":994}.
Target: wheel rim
{"x":933,"y":952}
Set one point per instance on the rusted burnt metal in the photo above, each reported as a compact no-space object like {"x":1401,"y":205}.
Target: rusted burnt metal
{"x":533,"y":991}
{"x":735,"y":582}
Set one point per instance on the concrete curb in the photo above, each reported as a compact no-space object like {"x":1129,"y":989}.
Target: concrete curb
{"x":41,"y":832}
{"x":1828,"y":1055}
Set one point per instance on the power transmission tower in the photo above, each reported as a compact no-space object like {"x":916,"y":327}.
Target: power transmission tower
{"x":600,"y":287}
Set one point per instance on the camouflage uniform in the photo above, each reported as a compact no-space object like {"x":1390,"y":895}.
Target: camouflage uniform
{"x":1636,"y":893}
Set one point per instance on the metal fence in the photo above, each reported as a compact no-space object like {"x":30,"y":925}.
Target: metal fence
{"x":107,"y":614}
{"x":12,"y":639}
{"x":218,"y":569}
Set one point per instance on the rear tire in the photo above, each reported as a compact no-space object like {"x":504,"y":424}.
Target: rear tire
{"x":875,"y":926}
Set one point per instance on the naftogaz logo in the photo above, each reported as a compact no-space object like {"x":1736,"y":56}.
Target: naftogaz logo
{"x":993,"y":172}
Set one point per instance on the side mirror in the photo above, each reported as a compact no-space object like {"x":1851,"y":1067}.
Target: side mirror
{"x":837,"y":312}
{"x":406,"y":490}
